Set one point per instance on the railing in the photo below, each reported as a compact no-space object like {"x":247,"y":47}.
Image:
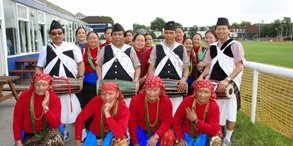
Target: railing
{"x":267,"y":95}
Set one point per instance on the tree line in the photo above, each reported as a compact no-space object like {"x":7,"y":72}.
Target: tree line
{"x":279,"y":28}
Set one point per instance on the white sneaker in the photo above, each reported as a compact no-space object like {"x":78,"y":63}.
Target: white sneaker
{"x":66,"y":136}
{"x":226,"y":142}
{"x":84,"y":133}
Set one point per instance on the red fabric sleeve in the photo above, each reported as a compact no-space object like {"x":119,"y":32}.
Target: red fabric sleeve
{"x":133,"y":120}
{"x":179,"y":118}
{"x":167,"y":117}
{"x":83,"y":116}
{"x":119,"y":125}
{"x":53,"y":115}
{"x":211,"y":127}
{"x":18,"y":117}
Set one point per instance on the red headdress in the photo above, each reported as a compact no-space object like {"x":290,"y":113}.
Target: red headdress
{"x":41,"y":76}
{"x":112,"y":86}
{"x":204,"y":84}
{"x":154,"y":82}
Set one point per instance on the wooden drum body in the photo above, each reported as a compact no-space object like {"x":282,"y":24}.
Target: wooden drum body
{"x":128,"y":89}
{"x":172,"y":88}
{"x":62,"y":85}
{"x":225,"y":94}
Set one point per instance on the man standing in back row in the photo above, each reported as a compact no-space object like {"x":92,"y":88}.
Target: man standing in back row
{"x":169,"y":60}
{"x":118,"y":61}
{"x":225,"y":64}
{"x":62,"y":59}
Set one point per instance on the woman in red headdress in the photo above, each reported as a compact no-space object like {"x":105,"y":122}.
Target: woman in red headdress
{"x":197,"y":117}
{"x":151,"y":115}
{"x":110,"y":118}
{"x":37,"y":114}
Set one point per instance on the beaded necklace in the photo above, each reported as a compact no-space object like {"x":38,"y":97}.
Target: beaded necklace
{"x":90,"y":59}
{"x":34,"y":118}
{"x":147,"y":116}
{"x":102,"y":131}
{"x":204,"y":116}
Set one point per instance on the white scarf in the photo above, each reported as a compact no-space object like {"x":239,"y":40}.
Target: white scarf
{"x":226,"y":63}
{"x":174,"y":58}
{"x":124,"y":60}
{"x":65,"y":60}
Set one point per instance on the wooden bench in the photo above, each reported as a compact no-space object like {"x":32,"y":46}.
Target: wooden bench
{"x":20,"y":72}
{"x":4,"y":80}
{"x":18,"y":88}
{"x":5,"y":95}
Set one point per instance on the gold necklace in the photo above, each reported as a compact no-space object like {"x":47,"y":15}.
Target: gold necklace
{"x":148,"y":115}
{"x":33,"y":111}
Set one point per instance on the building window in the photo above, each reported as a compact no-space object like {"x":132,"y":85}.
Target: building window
{"x":10,"y":27}
{"x":24,"y":36}
{"x":40,"y":32}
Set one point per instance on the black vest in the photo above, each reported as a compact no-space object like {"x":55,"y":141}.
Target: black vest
{"x":168,"y":71}
{"x":55,"y":70}
{"x":217,"y":72}
{"x":116,"y":71}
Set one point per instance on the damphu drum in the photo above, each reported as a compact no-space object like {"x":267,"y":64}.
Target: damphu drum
{"x":172,"y":88}
{"x":63,"y":85}
{"x":227,"y":93}
{"x":128,"y":89}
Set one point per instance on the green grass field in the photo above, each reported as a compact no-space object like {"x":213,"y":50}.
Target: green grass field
{"x":275,"y":53}
{"x":246,"y":133}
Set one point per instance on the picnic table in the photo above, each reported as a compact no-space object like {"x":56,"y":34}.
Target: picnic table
{"x":25,"y":65}
{"x":8,"y":94}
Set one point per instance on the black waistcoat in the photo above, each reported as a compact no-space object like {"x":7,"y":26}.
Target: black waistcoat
{"x":217,"y":72}
{"x":55,"y":70}
{"x":116,"y":71}
{"x":168,"y":71}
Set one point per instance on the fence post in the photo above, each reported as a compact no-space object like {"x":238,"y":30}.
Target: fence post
{"x":254,"y":96}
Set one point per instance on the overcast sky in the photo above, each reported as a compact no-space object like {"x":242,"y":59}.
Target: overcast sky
{"x":186,"y":12}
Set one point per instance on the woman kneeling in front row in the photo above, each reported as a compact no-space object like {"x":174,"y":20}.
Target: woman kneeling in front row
{"x":37,"y":115}
{"x":151,"y":115}
{"x":197,"y":118}
{"x":110,"y":118}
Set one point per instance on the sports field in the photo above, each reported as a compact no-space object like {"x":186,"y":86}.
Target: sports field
{"x":275,"y":53}
{"x":246,"y":133}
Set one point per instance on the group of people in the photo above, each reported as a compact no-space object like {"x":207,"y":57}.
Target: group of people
{"x":151,"y":116}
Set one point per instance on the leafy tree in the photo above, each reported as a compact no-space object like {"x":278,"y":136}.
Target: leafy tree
{"x":158,"y":24}
{"x":286,"y":25}
{"x":192,"y":31}
{"x":279,"y":28}
{"x":236,"y":25}
{"x":244,"y":24}
{"x":139,"y":28}
{"x":268,"y":30}
{"x":241,"y":25}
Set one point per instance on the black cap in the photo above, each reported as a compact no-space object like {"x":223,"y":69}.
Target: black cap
{"x":55,"y":25}
{"x":118,"y":27}
{"x":170,"y":26}
{"x":222,"y":21}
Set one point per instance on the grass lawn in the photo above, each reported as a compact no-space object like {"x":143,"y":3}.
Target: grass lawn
{"x":248,"y":134}
{"x":275,"y":53}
